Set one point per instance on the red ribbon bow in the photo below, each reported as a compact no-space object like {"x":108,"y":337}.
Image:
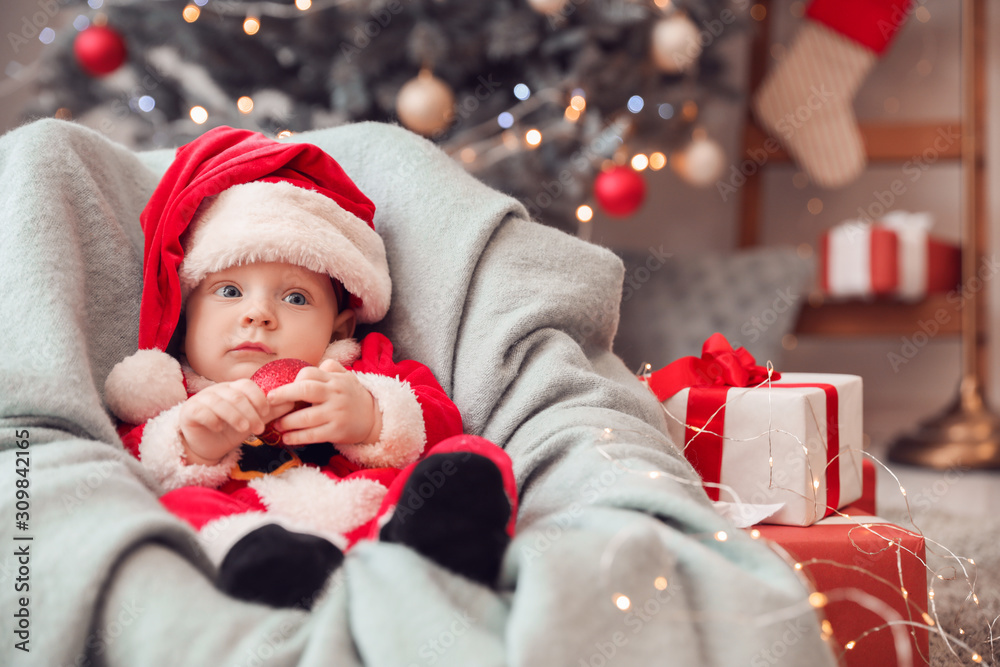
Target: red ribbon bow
{"x":719,"y":366}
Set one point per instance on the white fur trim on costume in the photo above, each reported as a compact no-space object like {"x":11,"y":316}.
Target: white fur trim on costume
{"x":280,"y":222}
{"x":218,"y":536}
{"x":143,"y":385}
{"x":344,"y":351}
{"x":162,"y":453}
{"x":403,"y":436}
{"x":311,"y":499}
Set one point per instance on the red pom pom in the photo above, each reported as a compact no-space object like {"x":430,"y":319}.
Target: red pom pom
{"x":270,"y":376}
{"x":619,"y":191}
{"x":99,"y":49}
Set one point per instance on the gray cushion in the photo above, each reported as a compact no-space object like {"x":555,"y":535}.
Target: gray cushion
{"x":671,"y":303}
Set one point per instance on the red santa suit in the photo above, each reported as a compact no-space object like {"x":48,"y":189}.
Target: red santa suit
{"x":234,"y":196}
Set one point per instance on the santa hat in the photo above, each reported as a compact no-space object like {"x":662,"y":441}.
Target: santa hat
{"x":233,"y":197}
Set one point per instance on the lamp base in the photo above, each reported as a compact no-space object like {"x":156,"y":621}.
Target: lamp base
{"x":966,"y":435}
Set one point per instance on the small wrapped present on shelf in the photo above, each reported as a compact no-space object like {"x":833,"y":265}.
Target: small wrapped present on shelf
{"x":869,"y":573}
{"x":765,"y":438}
{"x":894,"y":257}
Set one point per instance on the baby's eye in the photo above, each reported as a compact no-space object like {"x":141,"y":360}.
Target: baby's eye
{"x":229,"y":291}
{"x":297,"y":299}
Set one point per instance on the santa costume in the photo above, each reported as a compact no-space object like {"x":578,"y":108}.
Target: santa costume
{"x":277,"y":520}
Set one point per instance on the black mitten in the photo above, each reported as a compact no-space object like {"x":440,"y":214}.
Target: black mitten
{"x":454,"y":510}
{"x":278,"y":567}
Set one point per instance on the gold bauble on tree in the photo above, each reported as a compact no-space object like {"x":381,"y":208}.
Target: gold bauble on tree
{"x":675,"y":44}
{"x":425,"y":104}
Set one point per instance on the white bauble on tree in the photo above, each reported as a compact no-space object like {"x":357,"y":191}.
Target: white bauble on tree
{"x":675,"y":44}
{"x":701,"y":162}
{"x":425,"y":104}
{"x":547,"y":7}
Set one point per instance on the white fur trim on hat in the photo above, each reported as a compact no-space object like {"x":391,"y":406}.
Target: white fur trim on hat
{"x":310,"y":499}
{"x":143,"y":385}
{"x":403,"y":436}
{"x":280,"y":222}
{"x":162,"y":453}
{"x":218,"y":536}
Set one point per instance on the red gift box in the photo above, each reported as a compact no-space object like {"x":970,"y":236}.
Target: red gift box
{"x":852,"y":561}
{"x":887,"y":259}
{"x":866,"y":503}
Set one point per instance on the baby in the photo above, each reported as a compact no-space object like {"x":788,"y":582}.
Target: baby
{"x":258,"y":251}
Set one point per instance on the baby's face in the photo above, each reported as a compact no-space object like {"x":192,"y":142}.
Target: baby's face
{"x":243,"y":317}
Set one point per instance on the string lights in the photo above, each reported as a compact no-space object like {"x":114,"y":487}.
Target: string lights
{"x":957,"y":571}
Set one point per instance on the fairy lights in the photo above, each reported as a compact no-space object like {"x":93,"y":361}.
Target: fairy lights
{"x":251,"y":24}
{"x":533,"y":137}
{"x":660,"y":583}
{"x":657,"y":161}
{"x":190,"y":13}
{"x":199,"y":115}
{"x":640,"y":162}
{"x":244,"y":104}
{"x":584,"y":213}
{"x":303,"y":5}
{"x":622,"y":602}
{"x":893,"y":622}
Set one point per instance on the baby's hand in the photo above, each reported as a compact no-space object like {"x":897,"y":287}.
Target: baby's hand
{"x":217,"y":419}
{"x":342,"y":411}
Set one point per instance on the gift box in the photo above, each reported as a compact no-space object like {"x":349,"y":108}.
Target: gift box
{"x":869,"y":572}
{"x":793,"y":440}
{"x":866,"y":503}
{"x":895,"y":257}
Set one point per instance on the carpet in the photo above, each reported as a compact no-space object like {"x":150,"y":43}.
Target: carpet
{"x":949,"y":536}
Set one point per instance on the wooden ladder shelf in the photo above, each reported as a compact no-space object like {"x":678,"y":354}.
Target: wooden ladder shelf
{"x":884,"y":143}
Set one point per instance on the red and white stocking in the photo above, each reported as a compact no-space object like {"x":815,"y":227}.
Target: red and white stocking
{"x":806,"y":100}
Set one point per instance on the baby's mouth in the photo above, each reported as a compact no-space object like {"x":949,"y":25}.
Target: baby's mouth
{"x":252,"y":347}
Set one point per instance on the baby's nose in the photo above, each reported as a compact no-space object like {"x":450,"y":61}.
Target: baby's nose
{"x":258,"y":314}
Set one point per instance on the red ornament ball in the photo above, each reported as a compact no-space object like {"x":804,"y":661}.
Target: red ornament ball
{"x":269,"y":377}
{"x":619,"y":191}
{"x":99,"y":49}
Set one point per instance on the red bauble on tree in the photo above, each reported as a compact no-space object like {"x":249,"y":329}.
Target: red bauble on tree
{"x":619,"y":191}
{"x":100,"y":50}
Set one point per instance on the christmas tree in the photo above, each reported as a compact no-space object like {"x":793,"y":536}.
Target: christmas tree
{"x":538,"y":98}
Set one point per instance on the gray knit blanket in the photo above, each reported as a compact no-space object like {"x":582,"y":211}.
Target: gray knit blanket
{"x":617,"y":559}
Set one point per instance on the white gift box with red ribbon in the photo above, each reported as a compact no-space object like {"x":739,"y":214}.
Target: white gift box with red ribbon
{"x":893,"y":257}
{"x":796,"y":441}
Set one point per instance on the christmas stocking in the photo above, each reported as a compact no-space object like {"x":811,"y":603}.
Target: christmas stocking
{"x":806,"y":100}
